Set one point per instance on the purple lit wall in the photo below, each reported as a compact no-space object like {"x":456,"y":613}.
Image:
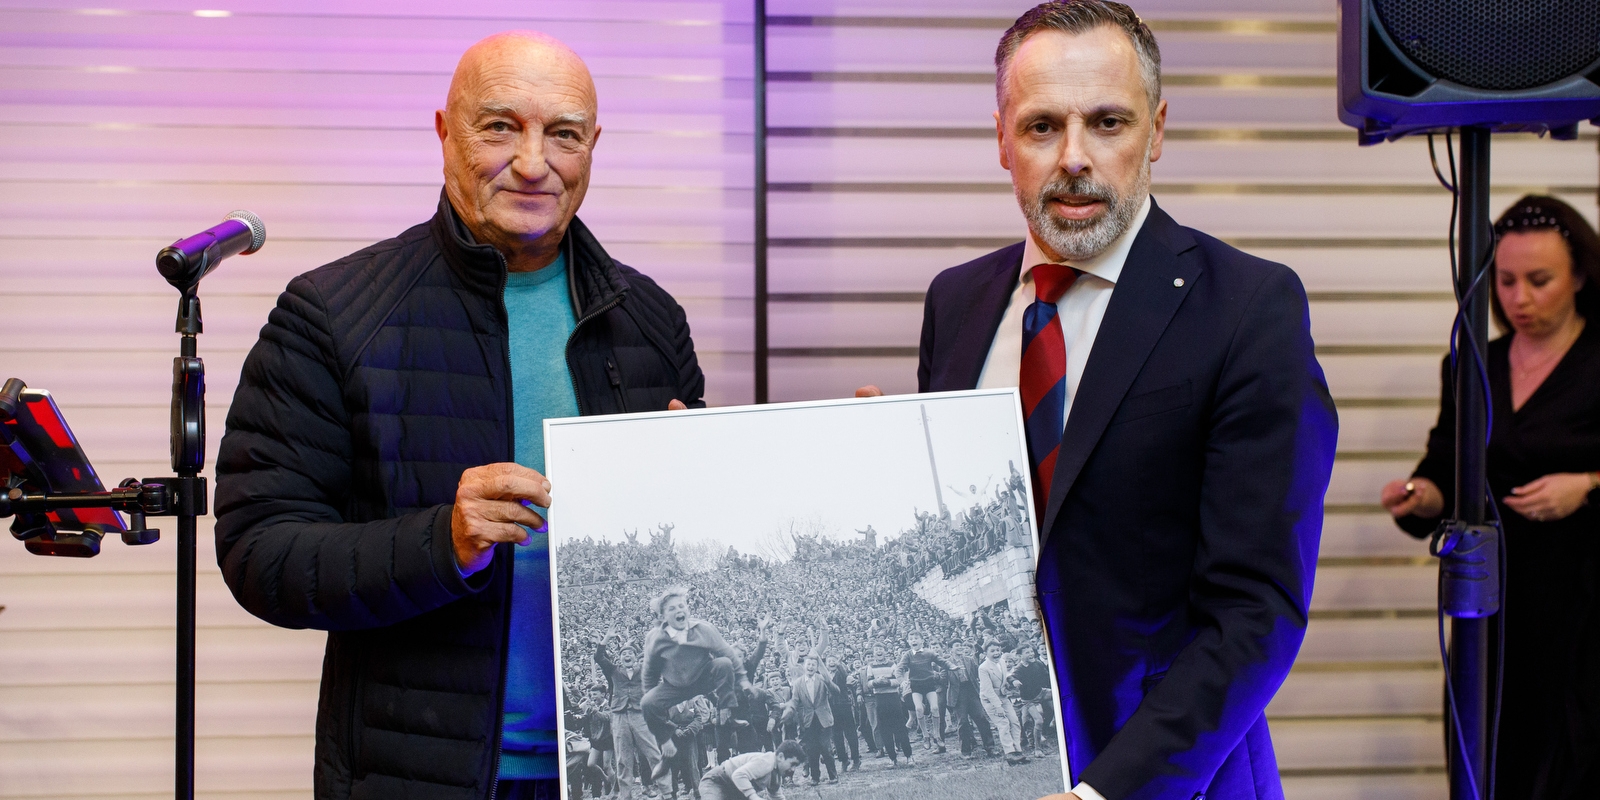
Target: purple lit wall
{"x":125,"y":128}
{"x":122,"y":129}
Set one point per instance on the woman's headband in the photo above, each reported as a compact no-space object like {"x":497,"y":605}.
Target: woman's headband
{"x":1531,"y":218}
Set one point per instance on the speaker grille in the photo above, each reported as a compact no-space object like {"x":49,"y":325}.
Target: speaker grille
{"x":1495,"y":44}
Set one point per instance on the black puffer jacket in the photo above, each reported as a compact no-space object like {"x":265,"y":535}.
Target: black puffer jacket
{"x":377,"y":381}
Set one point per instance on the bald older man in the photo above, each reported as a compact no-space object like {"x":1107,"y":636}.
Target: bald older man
{"x":380,"y":478}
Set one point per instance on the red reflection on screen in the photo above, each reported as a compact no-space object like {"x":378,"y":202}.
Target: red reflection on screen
{"x":47,"y":418}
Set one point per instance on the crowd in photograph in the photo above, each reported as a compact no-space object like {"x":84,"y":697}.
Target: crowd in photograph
{"x":957,"y":541}
{"x":828,"y":656}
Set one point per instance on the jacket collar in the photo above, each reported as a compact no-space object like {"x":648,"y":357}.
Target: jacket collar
{"x":975,"y":331}
{"x":1146,"y":298}
{"x":593,"y":279}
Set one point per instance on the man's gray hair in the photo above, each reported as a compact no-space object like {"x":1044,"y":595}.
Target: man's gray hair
{"x":1081,"y":16}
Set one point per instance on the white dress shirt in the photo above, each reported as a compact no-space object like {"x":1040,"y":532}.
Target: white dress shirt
{"x":1087,"y":792}
{"x":1081,"y":309}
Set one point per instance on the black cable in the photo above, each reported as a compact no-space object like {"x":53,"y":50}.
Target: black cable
{"x":1455,"y":202}
{"x":1472,"y":338}
{"x":1450,"y":698}
{"x":1500,"y":645}
{"x":1433,"y":157}
{"x":1455,"y":212}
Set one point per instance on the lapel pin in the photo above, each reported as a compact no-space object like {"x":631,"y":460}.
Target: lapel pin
{"x":1177,"y":281}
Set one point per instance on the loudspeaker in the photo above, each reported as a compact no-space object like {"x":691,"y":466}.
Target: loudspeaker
{"x":1410,"y":66}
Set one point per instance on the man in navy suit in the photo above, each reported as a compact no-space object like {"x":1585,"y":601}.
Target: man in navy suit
{"x":1180,"y":428}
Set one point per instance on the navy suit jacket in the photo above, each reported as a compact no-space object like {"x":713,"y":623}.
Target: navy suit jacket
{"x":1181,"y":533}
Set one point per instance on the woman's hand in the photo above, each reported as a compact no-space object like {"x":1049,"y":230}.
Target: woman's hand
{"x":1551,"y":497}
{"x":1418,"y":496}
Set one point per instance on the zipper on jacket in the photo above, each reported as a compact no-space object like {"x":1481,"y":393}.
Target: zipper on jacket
{"x":355,"y":709}
{"x":505,"y":604}
{"x":610,"y":304}
{"x":616,"y":385}
{"x":500,"y":701}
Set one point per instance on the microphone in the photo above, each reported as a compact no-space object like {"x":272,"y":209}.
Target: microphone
{"x":188,"y":260}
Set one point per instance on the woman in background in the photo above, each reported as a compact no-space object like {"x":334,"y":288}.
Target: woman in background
{"x":1544,"y":451}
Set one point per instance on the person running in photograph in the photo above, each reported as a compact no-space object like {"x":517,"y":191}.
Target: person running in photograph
{"x":753,"y":718}
{"x":844,"y":716}
{"x":885,"y":687}
{"x":778,"y":687}
{"x":811,"y":708}
{"x":966,"y":709}
{"x":584,"y":720}
{"x":630,"y":735}
{"x":788,"y":728}
{"x":685,"y":657}
{"x":752,"y":775}
{"x":738,"y":734}
{"x":865,"y":711}
{"x":919,"y":671}
{"x":992,"y":683}
{"x":602,"y":742}
{"x":689,"y":720}
{"x":1031,"y":680}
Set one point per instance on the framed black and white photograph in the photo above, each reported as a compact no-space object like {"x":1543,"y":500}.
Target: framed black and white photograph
{"x":829,"y":599}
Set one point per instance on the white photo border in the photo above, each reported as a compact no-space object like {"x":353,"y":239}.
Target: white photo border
{"x":552,"y":472}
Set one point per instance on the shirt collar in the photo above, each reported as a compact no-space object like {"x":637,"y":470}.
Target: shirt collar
{"x":676,"y":635}
{"x":1107,"y":266}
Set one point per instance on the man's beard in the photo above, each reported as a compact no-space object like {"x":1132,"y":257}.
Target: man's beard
{"x":1081,"y":240}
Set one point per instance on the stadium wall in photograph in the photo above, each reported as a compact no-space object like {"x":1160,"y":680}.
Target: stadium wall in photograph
{"x":832,"y":596}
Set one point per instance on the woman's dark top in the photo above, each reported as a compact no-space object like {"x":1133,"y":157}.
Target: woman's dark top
{"x":1549,"y":742}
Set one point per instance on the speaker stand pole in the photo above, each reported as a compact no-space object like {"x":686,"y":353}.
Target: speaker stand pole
{"x":1469,"y":638}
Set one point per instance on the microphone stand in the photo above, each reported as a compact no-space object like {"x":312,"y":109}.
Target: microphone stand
{"x":188,"y":445}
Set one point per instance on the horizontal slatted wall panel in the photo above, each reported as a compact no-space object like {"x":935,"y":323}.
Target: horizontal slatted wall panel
{"x":125,"y":128}
{"x":884,"y":172}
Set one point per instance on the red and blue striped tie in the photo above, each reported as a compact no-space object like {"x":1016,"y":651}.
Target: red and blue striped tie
{"x":1044,"y":376}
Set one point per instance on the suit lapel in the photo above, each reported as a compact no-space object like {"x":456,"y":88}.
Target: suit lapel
{"x":982,"y":318}
{"x":1141,"y":307}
